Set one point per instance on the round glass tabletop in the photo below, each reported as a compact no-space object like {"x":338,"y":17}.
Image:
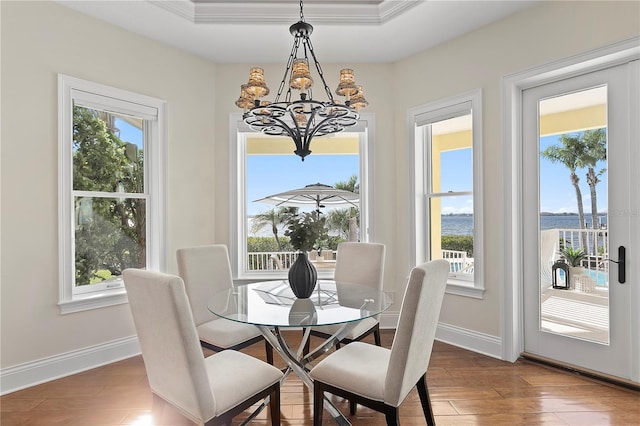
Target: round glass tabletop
{"x":272,"y":303}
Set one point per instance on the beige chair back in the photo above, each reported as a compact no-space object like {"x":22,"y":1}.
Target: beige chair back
{"x":169,"y":342}
{"x":413,"y":341}
{"x":205,"y":270}
{"x":360,"y":263}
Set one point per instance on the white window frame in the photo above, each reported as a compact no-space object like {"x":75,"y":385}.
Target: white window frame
{"x":237,"y":215}
{"x":420,"y":169}
{"x":153,"y":111}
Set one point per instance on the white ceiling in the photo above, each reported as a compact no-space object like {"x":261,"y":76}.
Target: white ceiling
{"x":257,"y":31}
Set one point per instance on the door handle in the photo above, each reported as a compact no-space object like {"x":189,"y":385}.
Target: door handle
{"x":621,"y":262}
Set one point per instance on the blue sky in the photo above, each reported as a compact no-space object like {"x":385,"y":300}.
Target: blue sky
{"x":267,"y":175}
{"x":270,"y":174}
{"x":129,"y":133}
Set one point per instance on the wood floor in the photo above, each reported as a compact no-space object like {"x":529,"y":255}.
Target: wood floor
{"x":466,"y":389}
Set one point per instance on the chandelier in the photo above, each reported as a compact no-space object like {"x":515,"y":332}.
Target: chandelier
{"x":304,"y":118}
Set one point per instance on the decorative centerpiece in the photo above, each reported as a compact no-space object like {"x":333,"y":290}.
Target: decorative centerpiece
{"x":304,"y":230}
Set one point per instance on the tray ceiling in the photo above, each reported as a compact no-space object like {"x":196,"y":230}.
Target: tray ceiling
{"x":257,"y":31}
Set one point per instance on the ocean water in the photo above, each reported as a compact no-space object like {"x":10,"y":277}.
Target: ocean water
{"x":463,"y":225}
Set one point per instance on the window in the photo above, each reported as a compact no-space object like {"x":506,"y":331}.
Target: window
{"x":111,"y":163}
{"x":266,"y":165}
{"x":446,"y":146}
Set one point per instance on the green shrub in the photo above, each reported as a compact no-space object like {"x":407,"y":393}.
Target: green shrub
{"x":458,"y":243}
{"x":267,"y":244}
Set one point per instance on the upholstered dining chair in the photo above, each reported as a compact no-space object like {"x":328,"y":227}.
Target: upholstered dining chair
{"x":381,"y":378}
{"x":357,"y":263}
{"x":206,"y":270}
{"x":209,"y":391}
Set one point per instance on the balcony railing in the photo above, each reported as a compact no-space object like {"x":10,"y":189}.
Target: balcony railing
{"x":271,"y":261}
{"x":459,"y":262}
{"x":596,"y":240}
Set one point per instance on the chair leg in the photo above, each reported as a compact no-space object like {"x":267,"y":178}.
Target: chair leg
{"x":307,"y":344}
{"x":318,"y":404}
{"x":423,"y":391}
{"x":376,"y":336}
{"x":353,"y":407}
{"x":274,"y":406}
{"x":269,"y":351}
{"x":392,"y":416}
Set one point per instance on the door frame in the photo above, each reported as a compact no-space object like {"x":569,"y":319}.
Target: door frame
{"x":512,"y":311}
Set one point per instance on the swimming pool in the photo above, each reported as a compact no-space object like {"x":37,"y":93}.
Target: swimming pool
{"x":600,"y":277}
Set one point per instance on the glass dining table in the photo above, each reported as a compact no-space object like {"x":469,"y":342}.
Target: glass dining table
{"x":272,"y":307}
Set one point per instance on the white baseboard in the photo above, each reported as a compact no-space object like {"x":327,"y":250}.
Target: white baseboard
{"x":481,"y":343}
{"x":461,"y":337}
{"x":34,"y":373}
{"x":44,"y":370}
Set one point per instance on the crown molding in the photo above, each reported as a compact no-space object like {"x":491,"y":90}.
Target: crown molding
{"x":238,"y":12}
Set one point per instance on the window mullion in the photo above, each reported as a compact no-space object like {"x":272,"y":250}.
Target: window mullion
{"x":110,"y":194}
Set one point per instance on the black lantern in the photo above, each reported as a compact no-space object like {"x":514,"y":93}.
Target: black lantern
{"x":559,"y":280}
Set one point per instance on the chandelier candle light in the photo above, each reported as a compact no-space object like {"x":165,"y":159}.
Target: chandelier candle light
{"x":305,"y":118}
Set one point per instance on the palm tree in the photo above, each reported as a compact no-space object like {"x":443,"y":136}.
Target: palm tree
{"x":338,"y":220}
{"x":345,"y":221}
{"x":569,"y":154}
{"x":595,"y":149}
{"x":350,"y":185}
{"x":274,"y":218}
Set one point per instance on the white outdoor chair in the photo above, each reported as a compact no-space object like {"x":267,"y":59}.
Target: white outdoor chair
{"x":209,"y":391}
{"x":206,"y":270}
{"x":381,"y":378}
{"x":363,"y":264}
{"x":276,"y":261}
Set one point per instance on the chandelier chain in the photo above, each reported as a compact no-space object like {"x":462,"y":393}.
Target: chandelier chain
{"x":319,"y":68}
{"x":301,"y":14}
{"x":305,"y":43}
{"x":296,"y":44}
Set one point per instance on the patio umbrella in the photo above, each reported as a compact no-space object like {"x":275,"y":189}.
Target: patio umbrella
{"x":317,"y":195}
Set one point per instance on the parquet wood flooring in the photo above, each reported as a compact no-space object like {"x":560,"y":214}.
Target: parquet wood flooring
{"x":466,"y":388}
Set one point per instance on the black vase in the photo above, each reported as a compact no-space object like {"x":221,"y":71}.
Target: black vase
{"x":302,"y":277}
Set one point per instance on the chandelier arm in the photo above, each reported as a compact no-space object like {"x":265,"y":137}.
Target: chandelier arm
{"x":310,"y":131}
{"x":282,"y":125}
{"x":319,"y":68}
{"x":299,"y":138}
{"x":327,"y":123}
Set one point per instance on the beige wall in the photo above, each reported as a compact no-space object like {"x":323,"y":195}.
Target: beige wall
{"x":544,"y":33}
{"x":40,"y":40}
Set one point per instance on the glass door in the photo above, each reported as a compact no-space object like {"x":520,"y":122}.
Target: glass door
{"x":578,"y":221}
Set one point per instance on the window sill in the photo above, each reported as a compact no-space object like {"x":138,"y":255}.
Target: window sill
{"x":464,"y":288}
{"x":88,"y":301}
